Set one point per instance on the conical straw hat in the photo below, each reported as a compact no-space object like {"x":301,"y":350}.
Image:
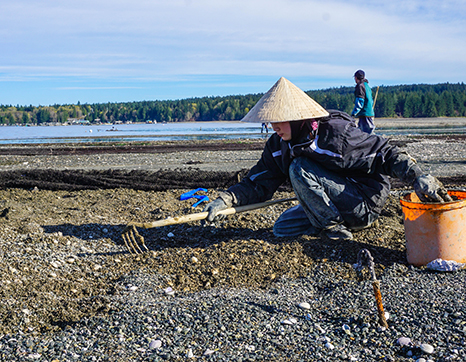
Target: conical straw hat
{"x":284,"y":102}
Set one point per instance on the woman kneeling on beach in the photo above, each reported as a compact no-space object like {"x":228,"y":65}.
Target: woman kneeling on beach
{"x":339,"y":174}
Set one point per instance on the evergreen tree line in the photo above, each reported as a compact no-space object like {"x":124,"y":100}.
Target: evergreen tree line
{"x":406,"y":101}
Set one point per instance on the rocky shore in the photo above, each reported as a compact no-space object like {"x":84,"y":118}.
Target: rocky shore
{"x":233,"y":291}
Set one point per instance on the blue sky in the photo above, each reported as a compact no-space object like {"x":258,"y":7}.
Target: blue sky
{"x":96,"y":51}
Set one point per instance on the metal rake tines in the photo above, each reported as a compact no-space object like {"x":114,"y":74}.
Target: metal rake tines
{"x":133,"y":240}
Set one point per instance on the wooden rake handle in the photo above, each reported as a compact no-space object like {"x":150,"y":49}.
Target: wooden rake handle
{"x":203,"y":215}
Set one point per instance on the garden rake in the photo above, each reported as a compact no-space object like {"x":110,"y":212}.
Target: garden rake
{"x":135,"y":242}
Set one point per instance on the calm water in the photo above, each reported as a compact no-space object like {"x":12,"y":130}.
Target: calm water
{"x":162,"y":132}
{"x":129,"y":132}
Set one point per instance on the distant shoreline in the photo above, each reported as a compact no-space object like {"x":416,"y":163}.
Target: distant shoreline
{"x":379,"y":122}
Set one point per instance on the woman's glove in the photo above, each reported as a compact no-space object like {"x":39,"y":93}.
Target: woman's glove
{"x":224,"y":201}
{"x":429,"y":189}
{"x":213,"y":208}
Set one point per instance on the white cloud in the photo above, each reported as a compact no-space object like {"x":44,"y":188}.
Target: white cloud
{"x":104,"y":40}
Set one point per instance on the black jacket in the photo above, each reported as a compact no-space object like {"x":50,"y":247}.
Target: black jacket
{"x":340,"y":146}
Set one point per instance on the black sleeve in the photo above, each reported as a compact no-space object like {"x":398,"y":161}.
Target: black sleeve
{"x":261,"y":182}
{"x":401,"y":165}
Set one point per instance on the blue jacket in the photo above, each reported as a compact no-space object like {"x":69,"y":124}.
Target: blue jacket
{"x":363,"y":105}
{"x":340,"y":146}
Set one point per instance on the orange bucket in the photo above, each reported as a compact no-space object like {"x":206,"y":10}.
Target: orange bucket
{"x":435,"y":230}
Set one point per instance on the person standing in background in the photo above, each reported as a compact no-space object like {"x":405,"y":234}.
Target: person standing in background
{"x":265,"y":126}
{"x":364,"y":103}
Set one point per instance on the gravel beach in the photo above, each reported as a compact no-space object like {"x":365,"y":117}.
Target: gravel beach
{"x":439,"y":155}
{"x":232,"y":291}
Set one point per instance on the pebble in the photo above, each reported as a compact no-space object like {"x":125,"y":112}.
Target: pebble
{"x":155,"y":344}
{"x":169,"y":291}
{"x":209,"y":352}
{"x":289,"y":321}
{"x":34,"y":356}
{"x":404,"y":341}
{"x":324,"y":339}
{"x":319,"y":328}
{"x":304,"y":305}
{"x":170,"y":235}
{"x":426,"y":348}
{"x":346,"y":328}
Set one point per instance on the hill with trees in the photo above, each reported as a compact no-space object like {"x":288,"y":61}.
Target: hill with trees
{"x":403,"y":101}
